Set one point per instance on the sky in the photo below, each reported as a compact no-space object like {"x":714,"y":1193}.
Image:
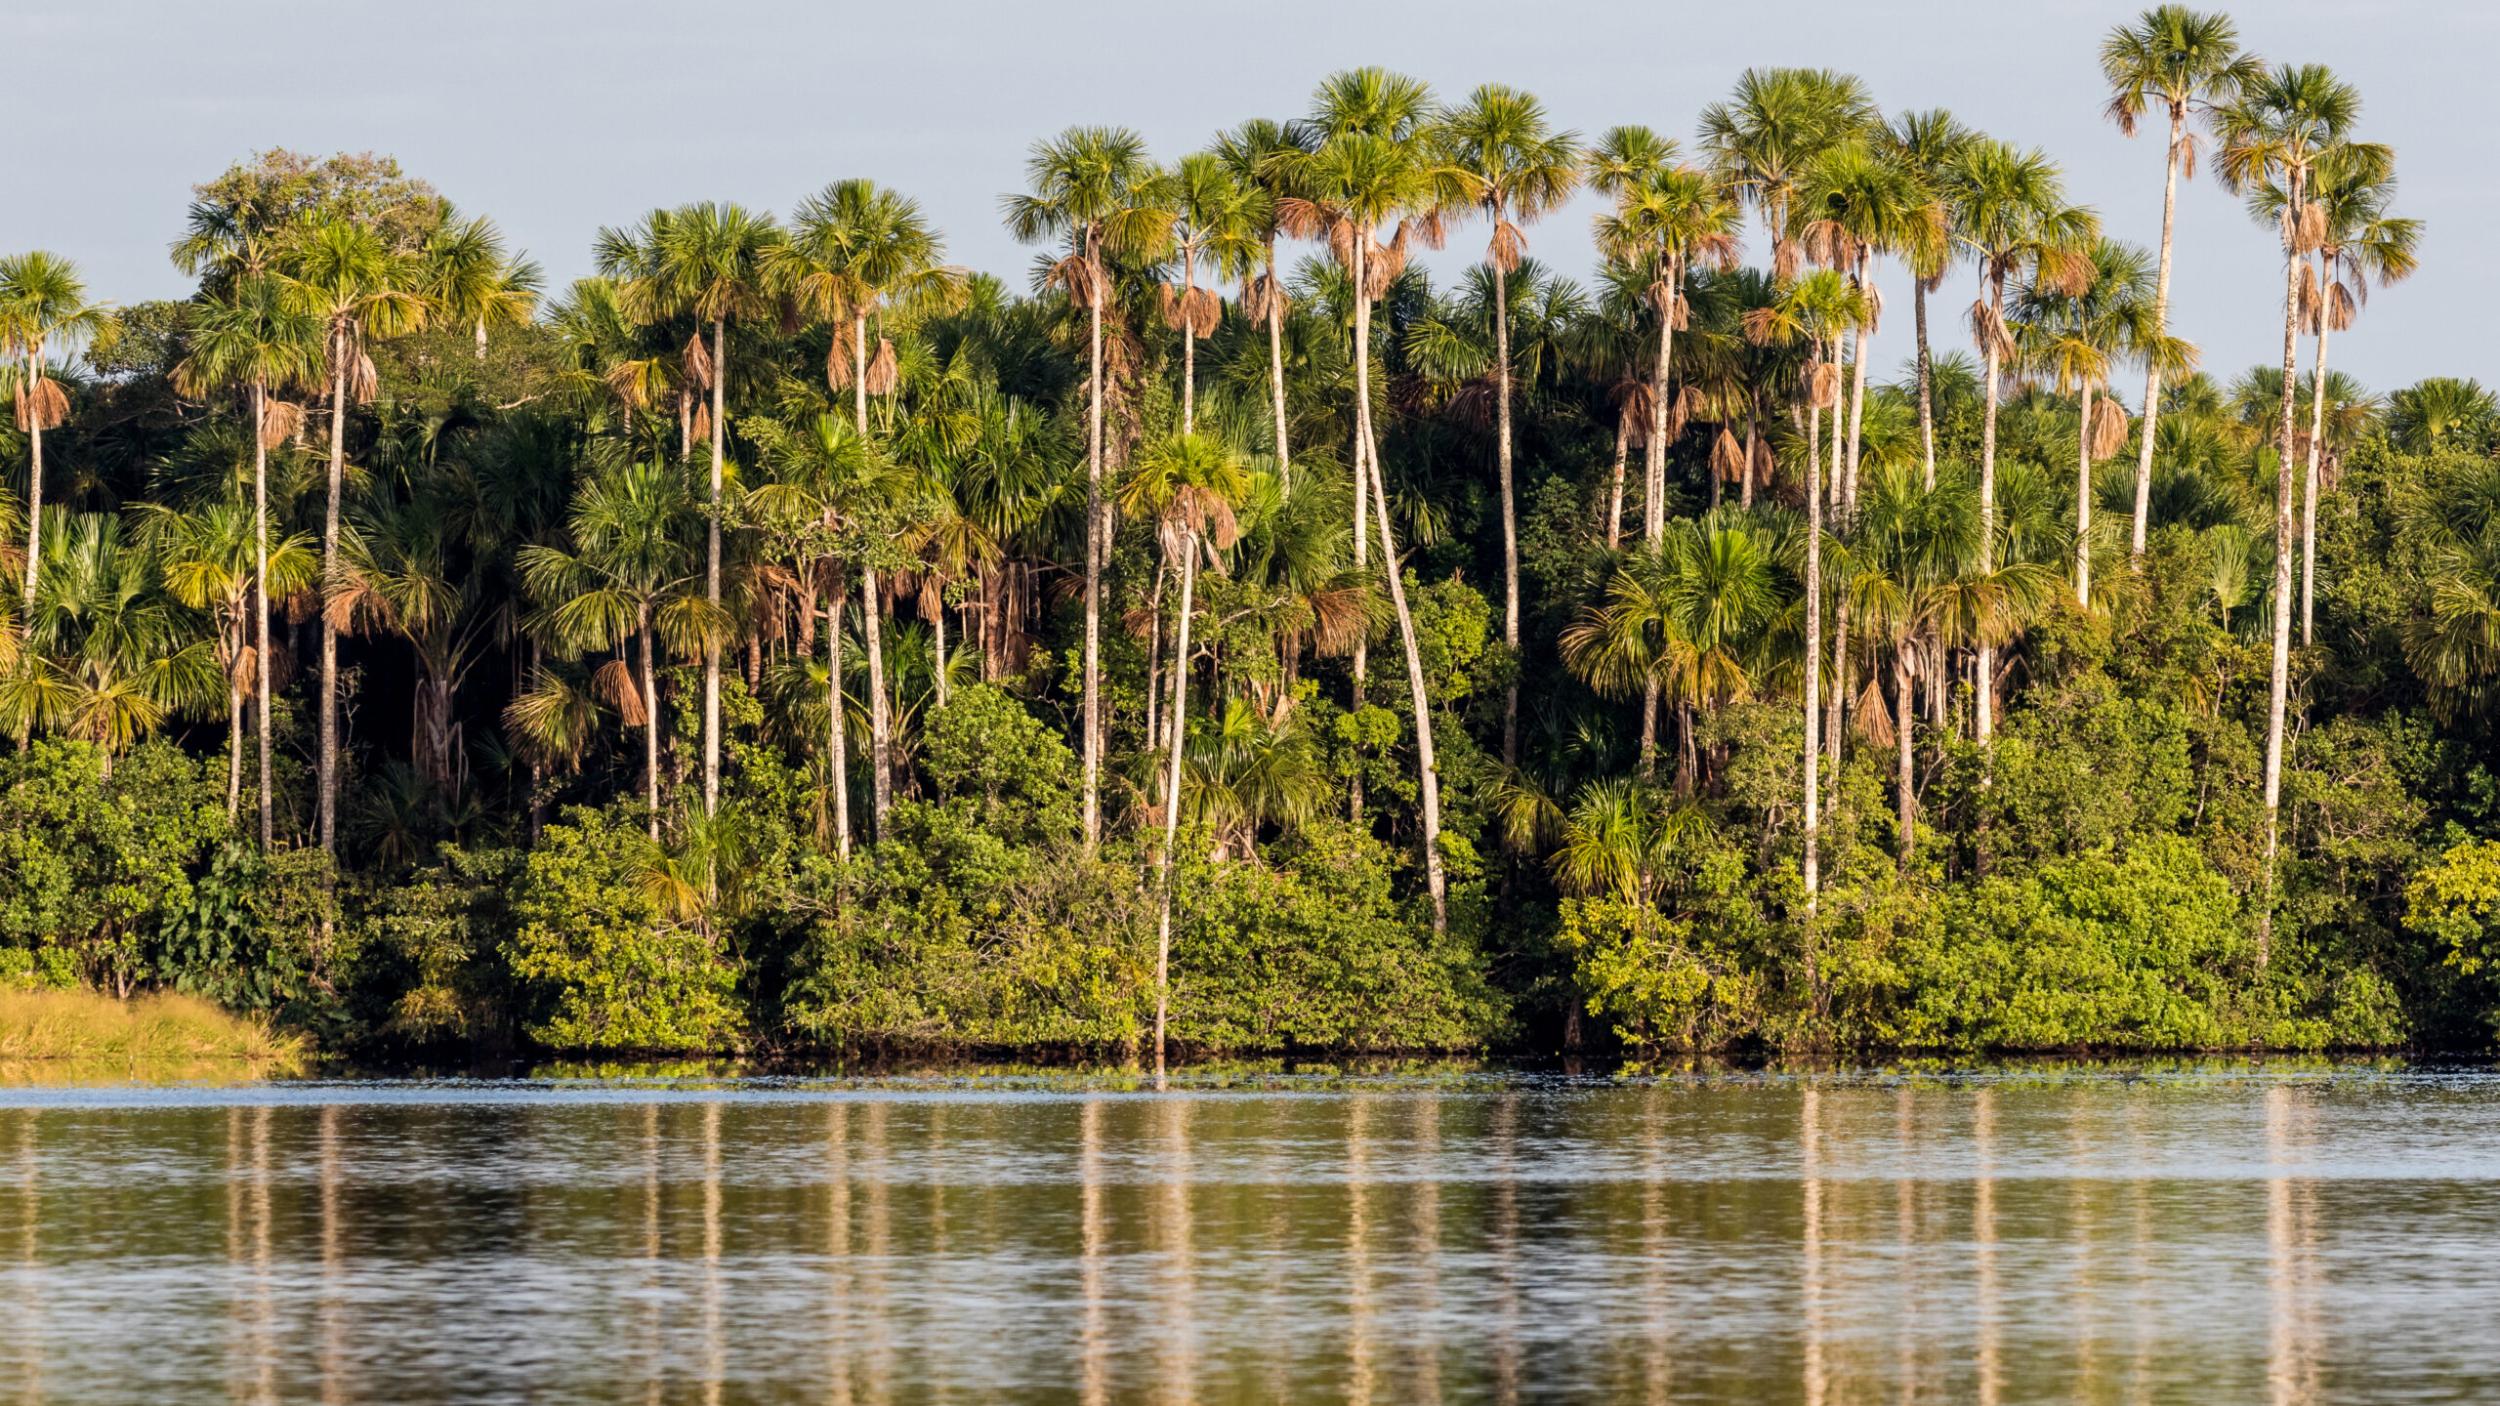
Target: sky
{"x":558,"y":116}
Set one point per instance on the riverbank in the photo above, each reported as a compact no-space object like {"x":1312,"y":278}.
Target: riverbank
{"x":88,"y":1026}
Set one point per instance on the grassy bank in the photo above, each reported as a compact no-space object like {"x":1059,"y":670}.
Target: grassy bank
{"x":85,"y":1025}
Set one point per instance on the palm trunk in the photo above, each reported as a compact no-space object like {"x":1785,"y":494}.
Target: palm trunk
{"x":1614,"y":500}
{"x":1362,"y":465}
{"x":333,"y":583}
{"x":260,"y":603}
{"x":1189,"y":345}
{"x":1813,"y":664}
{"x":711,"y":567}
{"x":1428,"y":771}
{"x":234,"y":749}
{"x":1510,"y":511}
{"x":837,"y":740}
{"x":1172,"y":789}
{"x":1276,"y":365}
{"x":2161,"y":325}
{"x":1904,"y":775}
{"x":1838,"y":479}
{"x":2309,"y":487}
{"x":2083,"y":502}
{"x":2279,"y":685}
{"x":34,"y":484}
{"x":1857,"y":401}
{"x":880,"y":725}
{"x":1753,"y":445}
{"x":1983,"y":718}
{"x":650,"y":727}
{"x":1154,"y":652}
{"x":937,"y":631}
{"x":1093,"y":562}
{"x":1926,"y":382}
{"x":1654,"y":495}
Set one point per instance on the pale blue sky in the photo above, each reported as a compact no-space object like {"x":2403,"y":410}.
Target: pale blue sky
{"x":557,"y":116}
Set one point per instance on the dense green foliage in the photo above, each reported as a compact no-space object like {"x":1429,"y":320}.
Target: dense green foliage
{"x":803,"y":478}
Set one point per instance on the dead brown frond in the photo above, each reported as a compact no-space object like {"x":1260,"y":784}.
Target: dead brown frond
{"x":2341,"y":306}
{"x":2311,"y":229}
{"x":1727,"y":456}
{"x":1822,"y":385}
{"x":883,"y":375}
{"x":702,"y":421}
{"x":1874,"y":710}
{"x":1341,"y":616}
{"x":838,"y":364}
{"x":2109,"y":427}
{"x":363,"y":381}
{"x":1989,"y":336}
{"x":2307,"y":309}
{"x":1783,"y":258}
{"x":2188,"y":148}
{"x":243,"y":668}
{"x":279,"y":422}
{"x":615,"y":685}
{"x":1509,"y":246}
{"x":1300,"y":218}
{"x":41,"y":406}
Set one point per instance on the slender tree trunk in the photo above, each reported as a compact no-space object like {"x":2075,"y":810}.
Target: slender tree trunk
{"x":1614,"y":500}
{"x":2083,"y":501}
{"x":1093,"y":558}
{"x":1983,"y":725}
{"x":1857,"y":401}
{"x":2310,"y":485}
{"x":937,"y":632}
{"x":650,"y":726}
{"x":1654,"y":495}
{"x":1510,"y":509}
{"x":711,"y":564}
{"x":838,"y":739}
{"x":333,"y":585}
{"x":234,"y":750}
{"x":1837,"y":481}
{"x":260,"y":604}
{"x":1753,"y":446}
{"x":880,"y":724}
{"x":34,"y":486}
{"x":1926,"y":381}
{"x":1172,"y":789}
{"x":1813,"y":668}
{"x":2161,"y":325}
{"x":1905,"y":782}
{"x":2279,"y":685}
{"x":1362,"y":466}
{"x":1276,"y":366}
{"x":1428,"y":771}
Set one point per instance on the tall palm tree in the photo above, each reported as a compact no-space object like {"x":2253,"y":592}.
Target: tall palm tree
{"x":260,"y":340}
{"x":705,"y":261}
{"x":2183,"y":63}
{"x":473,"y":282}
{"x":1094,"y":189}
{"x":340,"y":271}
{"x":1376,"y":156}
{"x":2273,"y":131}
{"x":855,"y":249}
{"x":44,"y":310}
{"x":2011,"y":216}
{"x":1259,"y":152}
{"x":1216,"y":222}
{"x":1189,"y":486}
{"x":2360,"y":243}
{"x":1761,"y":138}
{"x":1928,"y":144}
{"x":205,"y":556}
{"x":1522,"y":169}
{"x":2078,"y":338}
{"x":1856,"y":202}
{"x":627,"y":579}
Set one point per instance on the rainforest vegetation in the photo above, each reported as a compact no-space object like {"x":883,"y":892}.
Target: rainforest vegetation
{"x":1226,"y":636}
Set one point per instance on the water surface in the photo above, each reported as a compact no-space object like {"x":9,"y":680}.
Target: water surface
{"x":2200,"y":1233}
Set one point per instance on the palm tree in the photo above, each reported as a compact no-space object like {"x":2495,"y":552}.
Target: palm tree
{"x":1093,"y":188}
{"x":43,"y":310}
{"x":627,"y":579}
{"x":705,"y":261}
{"x":1522,"y":168}
{"x":2010,"y":214}
{"x":2078,"y":338}
{"x":1763,"y":136}
{"x":340,"y":271}
{"x":1189,"y":485}
{"x":1376,"y":156}
{"x":2273,"y":131}
{"x":855,"y":249}
{"x":1928,"y":144}
{"x":2182,"y":62}
{"x":1856,"y":202}
{"x":471,"y":281}
{"x":2425,"y":416}
{"x":205,"y":557}
{"x":107,"y":653}
{"x":1259,"y":153}
{"x":1216,"y":221}
{"x":2360,"y":243}
{"x":259,"y":340}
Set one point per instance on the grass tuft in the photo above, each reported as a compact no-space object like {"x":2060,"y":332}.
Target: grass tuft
{"x":87,"y":1025}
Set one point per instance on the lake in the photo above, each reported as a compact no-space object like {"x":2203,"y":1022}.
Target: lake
{"x":2198,"y":1232}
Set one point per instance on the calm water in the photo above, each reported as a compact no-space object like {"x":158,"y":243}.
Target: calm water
{"x":2208,"y":1234}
